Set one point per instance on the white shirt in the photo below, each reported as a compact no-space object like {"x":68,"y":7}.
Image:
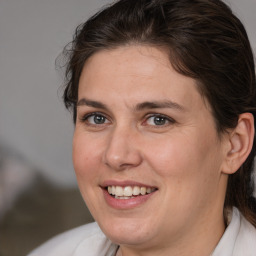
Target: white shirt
{"x":239,"y":239}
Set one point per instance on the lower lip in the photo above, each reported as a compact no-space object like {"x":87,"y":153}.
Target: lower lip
{"x":126,"y":203}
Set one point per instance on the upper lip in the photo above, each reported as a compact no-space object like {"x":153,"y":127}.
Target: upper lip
{"x":125,"y":183}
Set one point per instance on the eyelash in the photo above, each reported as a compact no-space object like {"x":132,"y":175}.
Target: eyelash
{"x":164,"y":118}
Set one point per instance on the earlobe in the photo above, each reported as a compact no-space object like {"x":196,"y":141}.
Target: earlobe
{"x":240,"y":143}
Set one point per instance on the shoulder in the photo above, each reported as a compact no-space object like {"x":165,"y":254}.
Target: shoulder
{"x":246,"y":239}
{"x":239,"y":237}
{"x":79,"y":241}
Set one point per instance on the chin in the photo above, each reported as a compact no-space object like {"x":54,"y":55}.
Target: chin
{"x":127,"y":232}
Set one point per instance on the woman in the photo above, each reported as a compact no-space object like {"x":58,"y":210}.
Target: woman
{"x":163,"y":98}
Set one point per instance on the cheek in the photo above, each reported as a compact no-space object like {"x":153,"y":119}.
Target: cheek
{"x":185,"y":162}
{"x":86,"y":160}
{"x":86,"y":157}
{"x":188,"y":174}
{"x":169,"y":157}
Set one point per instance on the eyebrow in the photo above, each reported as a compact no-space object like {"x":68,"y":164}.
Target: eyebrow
{"x":138,"y":107}
{"x":159,"y":104}
{"x":91,"y":103}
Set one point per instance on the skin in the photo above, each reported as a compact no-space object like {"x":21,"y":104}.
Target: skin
{"x":183,"y":157}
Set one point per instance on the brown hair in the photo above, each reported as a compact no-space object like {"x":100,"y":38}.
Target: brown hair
{"x":204,"y":40}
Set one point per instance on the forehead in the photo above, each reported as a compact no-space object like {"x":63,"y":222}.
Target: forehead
{"x":133,"y":72}
{"x":129,"y":60}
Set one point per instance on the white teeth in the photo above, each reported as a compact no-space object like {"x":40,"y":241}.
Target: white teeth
{"x":123,"y":197}
{"x":143,"y":191}
{"x":136,"y":190}
{"x":119,"y":191}
{"x":128,"y":191}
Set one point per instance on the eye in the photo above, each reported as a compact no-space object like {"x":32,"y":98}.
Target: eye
{"x":158,"y":120}
{"x":95,"y":119}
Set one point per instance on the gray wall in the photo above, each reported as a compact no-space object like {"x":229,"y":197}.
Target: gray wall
{"x":33,"y":119}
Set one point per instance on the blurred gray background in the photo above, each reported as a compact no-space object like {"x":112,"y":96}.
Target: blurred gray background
{"x":38,"y":192}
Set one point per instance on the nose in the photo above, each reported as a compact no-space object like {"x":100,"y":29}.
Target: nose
{"x":122,"y":151}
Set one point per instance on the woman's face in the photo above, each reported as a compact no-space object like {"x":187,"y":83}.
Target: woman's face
{"x":146,"y":153}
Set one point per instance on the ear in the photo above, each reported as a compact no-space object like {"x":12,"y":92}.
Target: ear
{"x":240,"y":142}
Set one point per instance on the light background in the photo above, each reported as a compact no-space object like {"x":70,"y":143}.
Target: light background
{"x":33,"y":120}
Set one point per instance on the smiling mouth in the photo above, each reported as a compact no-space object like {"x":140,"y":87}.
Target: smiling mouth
{"x":128,"y":192}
